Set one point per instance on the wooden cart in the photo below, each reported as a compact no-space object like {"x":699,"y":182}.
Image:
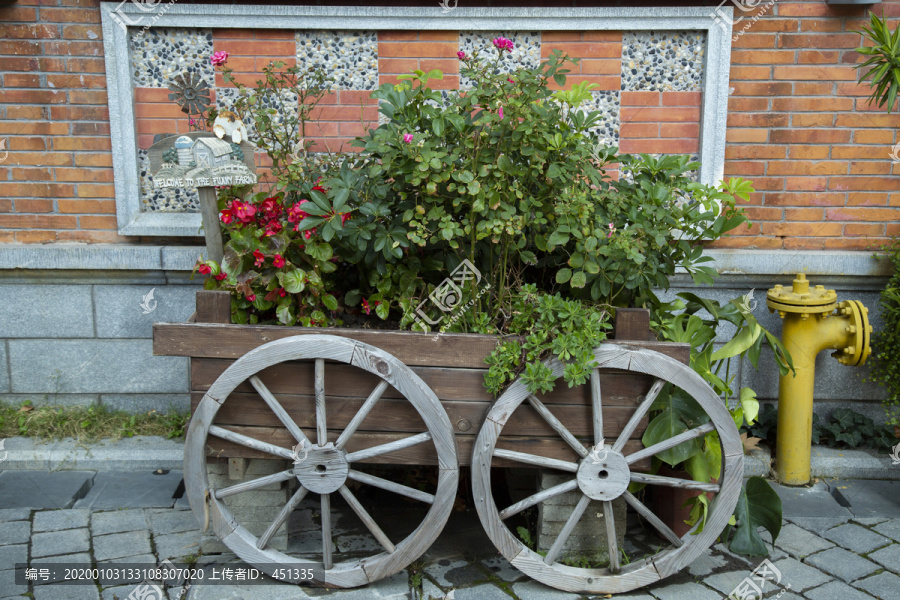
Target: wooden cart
{"x":348,"y":398}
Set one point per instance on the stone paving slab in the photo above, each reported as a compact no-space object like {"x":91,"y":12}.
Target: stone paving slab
{"x":889,"y":528}
{"x":177,"y":545}
{"x":8,"y":586}
{"x":842,"y":563}
{"x":684,"y":591}
{"x":57,"y":520}
{"x":53,"y":543}
{"x":167,"y":521}
{"x":118,"y":521}
{"x":38,"y":489}
{"x":836,"y":589}
{"x":856,"y":538}
{"x":14,"y":514}
{"x":799,"y":575}
{"x":889,"y":557}
{"x":10,"y":555}
{"x":80,"y":559}
{"x":66,"y":592}
{"x":113,"y":490}
{"x":15,"y":532}
{"x":120,"y":545}
{"x":885,"y":586}
{"x":868,"y":498}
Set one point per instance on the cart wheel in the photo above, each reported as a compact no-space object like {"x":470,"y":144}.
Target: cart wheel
{"x":603,"y":473}
{"x":328,"y":465}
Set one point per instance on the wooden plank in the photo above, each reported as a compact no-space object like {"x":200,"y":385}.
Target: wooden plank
{"x":633,"y":324}
{"x":420,"y":454}
{"x":209,"y":212}
{"x":400,"y":416}
{"x":213,"y":306}
{"x":467,"y":350}
{"x":620,"y":388}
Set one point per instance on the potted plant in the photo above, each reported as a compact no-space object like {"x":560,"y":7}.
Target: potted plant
{"x":487,"y":217}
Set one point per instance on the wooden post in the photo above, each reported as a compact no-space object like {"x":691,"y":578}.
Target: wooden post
{"x":209,"y":210}
{"x":633,"y":324}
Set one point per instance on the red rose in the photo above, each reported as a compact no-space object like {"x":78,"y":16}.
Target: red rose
{"x":204,"y":269}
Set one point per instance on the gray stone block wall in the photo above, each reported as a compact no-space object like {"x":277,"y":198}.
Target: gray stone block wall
{"x":75,"y":338}
{"x":588,"y":540}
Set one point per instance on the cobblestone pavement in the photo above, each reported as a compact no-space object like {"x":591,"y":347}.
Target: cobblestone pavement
{"x":840,"y":540}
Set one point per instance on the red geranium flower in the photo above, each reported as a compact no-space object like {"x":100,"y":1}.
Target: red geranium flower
{"x":220,"y":276}
{"x":204,"y":269}
{"x":226,"y":216}
{"x":243,"y":211}
{"x":278,"y":261}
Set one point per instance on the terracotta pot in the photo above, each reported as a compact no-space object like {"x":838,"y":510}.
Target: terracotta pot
{"x":667,"y":502}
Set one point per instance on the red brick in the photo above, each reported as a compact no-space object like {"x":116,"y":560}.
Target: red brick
{"x":870,"y":244}
{"x":603,"y":36}
{"x":585,"y":49}
{"x":812,"y":104}
{"x":21,"y":64}
{"x":753,"y":136}
{"x":87,"y":97}
{"x":797,"y":167}
{"x":762,"y":57}
{"x":79,"y":81}
{"x":809,"y":152}
{"x":81,"y":143}
{"x":794,"y":40}
{"x":812,"y":120}
{"x":821,"y":25}
{"x":26,"y":143}
{"x":36,"y":113}
{"x":638,"y":130}
{"x":815,"y":73}
{"x":750,"y":40}
{"x":641,"y":99}
{"x":750,"y":151}
{"x":804,"y":243}
{"x":738,"y":104}
{"x":80,"y":113}
{"x":814,"y":9}
{"x":804,"y":199}
{"x":93,"y":237}
{"x":93,"y":160}
{"x":6,"y":205}
{"x":859,"y":229}
{"x":397,"y":36}
{"x":445,"y":65}
{"x":810,"y":136}
{"x":759,"y":213}
{"x":439,"y":36}
{"x":813,"y":88}
{"x":92,"y":222}
{"x":818,"y":57}
{"x":669,"y":114}
{"x":679,"y":130}
{"x":17,"y":13}
{"x":670,"y":146}
{"x":853,"y":89}
{"x":88,"y":175}
{"x":744,"y":168}
{"x":867,"y":199}
{"x":38,"y":221}
{"x":397,"y":65}
{"x":868,"y":120}
{"x":41,"y":158}
{"x":864,"y":183}
{"x":261,"y":48}
{"x":82,"y":32}
{"x":43,"y":205}
{"x":870,"y":168}
{"x":859,"y":214}
{"x":601,"y":67}
{"x":873,"y":137}
{"x":417,"y":49}
{"x":767,"y":88}
{"x":35,"y":237}
{"x":795,"y":229}
{"x":738,"y":73}
{"x":94,"y":190}
{"x":805,"y":183}
{"x":29,"y":174}
{"x":758,"y":120}
{"x":850,"y":152}
{"x":757,"y":242}
{"x":33,"y":32}
{"x":681,"y":98}
{"x":356,"y":97}
{"x":142,"y":95}
{"x":32,"y":97}
{"x":804,"y":214}
{"x":73,"y":48}
{"x":17,"y":48}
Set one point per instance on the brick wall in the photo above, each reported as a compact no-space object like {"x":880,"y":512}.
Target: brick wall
{"x":798,"y":126}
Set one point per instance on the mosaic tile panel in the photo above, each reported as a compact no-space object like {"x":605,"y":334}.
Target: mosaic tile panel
{"x":226,"y":97}
{"x":168,"y":200}
{"x":348,"y":57}
{"x":607,"y":102}
{"x":667,"y":61}
{"x":526,"y":53}
{"x":164,"y":52}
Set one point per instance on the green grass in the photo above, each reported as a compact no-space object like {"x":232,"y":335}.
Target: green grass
{"x":86,"y":423}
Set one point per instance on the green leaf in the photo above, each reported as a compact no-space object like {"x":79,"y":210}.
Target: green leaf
{"x":293,"y":281}
{"x":382,"y":310}
{"x":558,"y":238}
{"x":340,"y":199}
{"x":563,"y":275}
{"x":578,"y":279}
{"x":664,"y":426}
{"x":330,"y":301}
{"x":758,"y":506}
{"x":750,"y":405}
{"x":319,"y":200}
{"x":744,"y":339}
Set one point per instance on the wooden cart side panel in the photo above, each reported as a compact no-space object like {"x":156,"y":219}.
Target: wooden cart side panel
{"x":620,"y":388}
{"x":421,"y":454}
{"x":398,"y":415}
{"x":466,"y":350}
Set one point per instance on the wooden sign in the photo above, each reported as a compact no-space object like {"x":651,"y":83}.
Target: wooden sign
{"x":201,"y":160}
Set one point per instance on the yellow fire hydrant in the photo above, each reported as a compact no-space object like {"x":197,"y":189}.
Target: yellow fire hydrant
{"x":813,"y":321}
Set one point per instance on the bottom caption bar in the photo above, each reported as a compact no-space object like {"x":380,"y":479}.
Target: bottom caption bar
{"x":170,"y":574}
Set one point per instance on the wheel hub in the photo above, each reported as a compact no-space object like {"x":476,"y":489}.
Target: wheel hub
{"x":603,"y":475}
{"x":322,"y":470}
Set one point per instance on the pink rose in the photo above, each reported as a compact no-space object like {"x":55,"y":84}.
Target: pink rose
{"x":407,"y":138}
{"x":501,"y":43}
{"x":461,"y":55}
{"x":500,"y":113}
{"x":218,"y":58}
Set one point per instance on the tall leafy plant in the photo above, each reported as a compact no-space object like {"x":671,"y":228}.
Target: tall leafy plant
{"x":883,"y":62}
{"x":886,"y":341}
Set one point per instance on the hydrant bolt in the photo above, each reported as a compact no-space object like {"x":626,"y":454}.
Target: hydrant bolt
{"x":850,"y":329}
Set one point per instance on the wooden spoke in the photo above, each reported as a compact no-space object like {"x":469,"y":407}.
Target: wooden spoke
{"x":254,"y":484}
{"x":361,"y":414}
{"x":367,"y":519}
{"x":557,"y":426}
{"x":639,"y":413}
{"x":292,"y":504}
{"x":400,"y":444}
{"x":326,"y":530}
{"x":390,"y":486}
{"x":279,"y":411}
{"x":530,"y":501}
{"x":572,"y":521}
{"x":249,"y":442}
{"x":652,"y":519}
{"x":684,"y":484}
{"x":611,"y":543}
{"x":670,"y":443}
{"x":597,"y":406}
{"x":321,"y":428}
{"x":538,"y":461}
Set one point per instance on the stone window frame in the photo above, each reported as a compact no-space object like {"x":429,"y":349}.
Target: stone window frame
{"x":133,"y":222}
